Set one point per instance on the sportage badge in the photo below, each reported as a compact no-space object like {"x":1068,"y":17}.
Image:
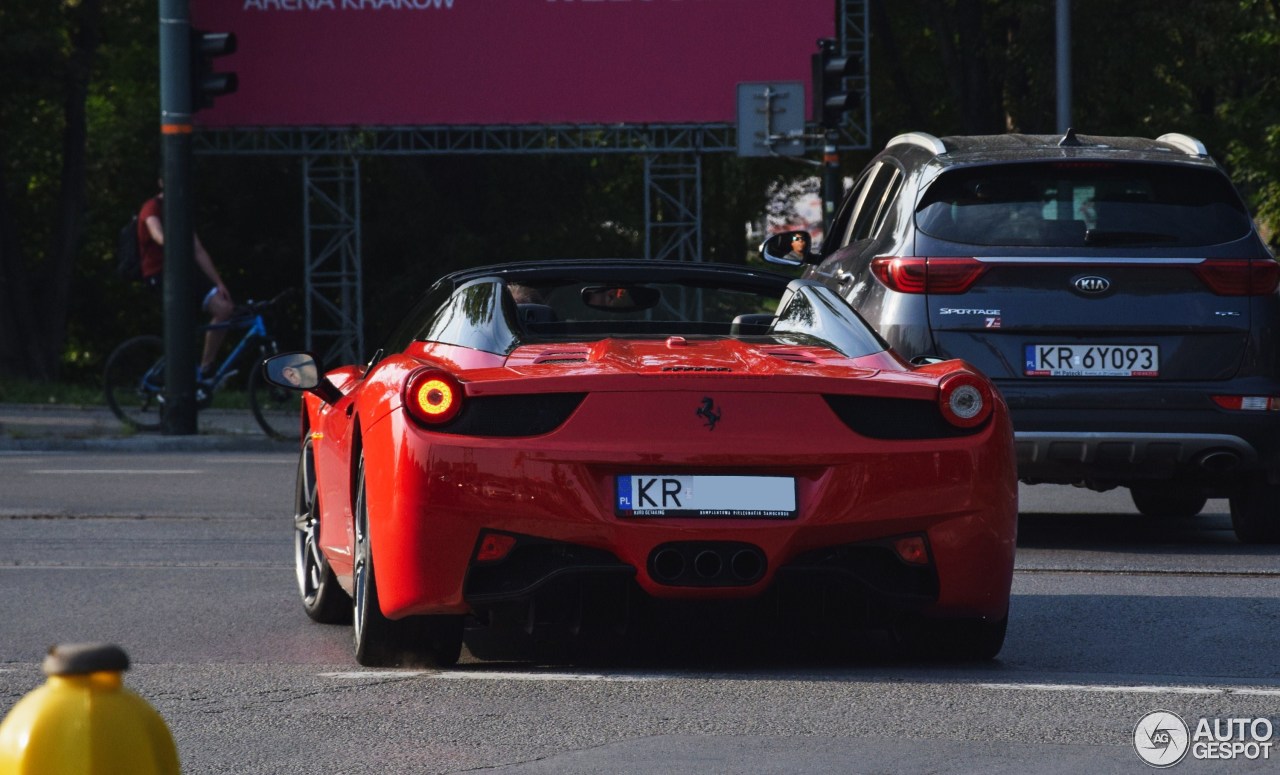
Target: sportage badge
{"x":1092,"y":284}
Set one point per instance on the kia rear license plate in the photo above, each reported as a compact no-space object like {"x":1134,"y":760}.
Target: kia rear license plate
{"x":657,"y":495}
{"x":1092,"y":360}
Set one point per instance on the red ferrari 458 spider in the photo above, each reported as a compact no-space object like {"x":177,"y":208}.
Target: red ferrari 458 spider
{"x":559,"y":443}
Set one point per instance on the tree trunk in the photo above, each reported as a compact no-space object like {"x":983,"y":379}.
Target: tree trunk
{"x":966,"y":50}
{"x":85,"y":25}
{"x":19,"y":329}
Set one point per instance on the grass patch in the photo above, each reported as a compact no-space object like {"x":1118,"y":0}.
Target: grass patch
{"x":18,"y":391}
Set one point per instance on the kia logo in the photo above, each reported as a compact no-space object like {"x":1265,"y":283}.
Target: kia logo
{"x":1092,"y":284}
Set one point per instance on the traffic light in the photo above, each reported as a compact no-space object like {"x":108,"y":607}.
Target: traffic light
{"x":831,"y":97}
{"x":205,"y":83}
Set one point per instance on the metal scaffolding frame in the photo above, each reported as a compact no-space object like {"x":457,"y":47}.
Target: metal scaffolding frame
{"x":331,"y":248}
{"x":672,"y":155}
{"x":673,"y":207}
{"x":853,"y":27}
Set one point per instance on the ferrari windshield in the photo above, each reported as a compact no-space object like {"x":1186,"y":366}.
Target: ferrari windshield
{"x":498,"y":313}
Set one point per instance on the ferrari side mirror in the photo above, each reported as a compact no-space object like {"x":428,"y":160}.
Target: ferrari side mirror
{"x":299,"y":371}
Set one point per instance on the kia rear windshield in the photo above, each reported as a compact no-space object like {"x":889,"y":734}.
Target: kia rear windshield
{"x":1083,"y":204}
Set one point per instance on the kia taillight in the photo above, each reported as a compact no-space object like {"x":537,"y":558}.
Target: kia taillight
{"x":965,"y":399}
{"x":1249,"y":403}
{"x":1239,"y":277}
{"x":916,"y":274}
{"x":432,"y":396}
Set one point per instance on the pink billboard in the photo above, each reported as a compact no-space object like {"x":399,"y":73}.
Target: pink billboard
{"x":485,"y":62}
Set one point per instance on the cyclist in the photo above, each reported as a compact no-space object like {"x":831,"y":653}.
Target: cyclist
{"x":217,"y":301}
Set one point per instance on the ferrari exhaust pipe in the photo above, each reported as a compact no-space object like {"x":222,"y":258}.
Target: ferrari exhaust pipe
{"x":747,"y":565}
{"x":707,"y":564}
{"x":668,"y":565}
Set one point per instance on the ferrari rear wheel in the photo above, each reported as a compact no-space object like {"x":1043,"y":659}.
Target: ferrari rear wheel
{"x":382,"y":642}
{"x":323,"y":598}
{"x":1167,"y":500}
{"x":1255,"y":512}
{"x":965,"y":640}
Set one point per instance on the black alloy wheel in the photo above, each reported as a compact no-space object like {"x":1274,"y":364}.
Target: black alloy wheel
{"x":323,"y":598}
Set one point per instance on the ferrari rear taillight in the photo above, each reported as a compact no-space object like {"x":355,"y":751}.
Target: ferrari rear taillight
{"x":965,"y":400}
{"x":914,"y":274}
{"x":1239,"y":277}
{"x":432,"y":396}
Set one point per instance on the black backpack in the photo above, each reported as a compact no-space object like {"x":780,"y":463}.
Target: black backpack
{"x":129,"y":252}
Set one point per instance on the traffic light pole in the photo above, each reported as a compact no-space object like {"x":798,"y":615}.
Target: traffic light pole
{"x":831,"y":100}
{"x":832,"y":182}
{"x":179,"y":415}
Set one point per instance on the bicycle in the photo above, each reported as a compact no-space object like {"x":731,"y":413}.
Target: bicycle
{"x":133,"y":378}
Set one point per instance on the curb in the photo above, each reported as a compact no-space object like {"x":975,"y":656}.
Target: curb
{"x":64,"y":427}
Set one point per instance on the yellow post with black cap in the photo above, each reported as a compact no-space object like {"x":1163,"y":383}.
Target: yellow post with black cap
{"x":83,"y":721}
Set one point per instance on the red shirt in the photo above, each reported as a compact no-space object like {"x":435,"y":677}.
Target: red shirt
{"x":152,"y":252}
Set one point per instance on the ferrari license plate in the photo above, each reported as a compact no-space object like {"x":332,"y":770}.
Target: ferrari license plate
{"x":1092,"y":360}
{"x":657,"y":495}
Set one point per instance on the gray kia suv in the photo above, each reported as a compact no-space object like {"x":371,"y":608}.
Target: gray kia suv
{"x":1115,"y":288}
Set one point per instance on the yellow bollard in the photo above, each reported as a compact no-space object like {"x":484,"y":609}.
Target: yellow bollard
{"x":82,"y":721}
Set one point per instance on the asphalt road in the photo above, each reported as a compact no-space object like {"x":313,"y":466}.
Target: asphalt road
{"x":184,"y":559}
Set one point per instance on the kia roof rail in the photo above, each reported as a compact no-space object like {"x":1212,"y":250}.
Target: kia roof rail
{"x":922,"y":139}
{"x":1185,"y":143}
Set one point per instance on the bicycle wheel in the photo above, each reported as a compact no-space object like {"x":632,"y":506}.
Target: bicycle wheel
{"x":133,"y":382}
{"x":277,"y":410}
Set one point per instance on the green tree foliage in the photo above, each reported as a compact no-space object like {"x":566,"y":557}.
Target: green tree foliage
{"x":1139,"y":67}
{"x":78,"y":76}
{"x":79,"y":151}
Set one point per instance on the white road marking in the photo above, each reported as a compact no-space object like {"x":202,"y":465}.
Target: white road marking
{"x":515,"y":676}
{"x":376,"y":674}
{"x":488,"y":675}
{"x":1134,"y":689}
{"x":496,"y":675}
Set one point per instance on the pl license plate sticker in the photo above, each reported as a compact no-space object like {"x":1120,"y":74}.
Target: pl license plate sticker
{"x":1092,"y":360}
{"x":659,"y":495}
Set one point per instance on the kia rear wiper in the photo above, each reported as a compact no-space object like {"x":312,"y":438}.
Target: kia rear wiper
{"x":1100,"y":237}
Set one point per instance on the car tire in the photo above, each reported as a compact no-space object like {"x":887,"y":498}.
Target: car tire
{"x":955,"y":640}
{"x":1167,"y":500}
{"x":414,"y":641}
{"x":1255,"y":512}
{"x":323,"y":598}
